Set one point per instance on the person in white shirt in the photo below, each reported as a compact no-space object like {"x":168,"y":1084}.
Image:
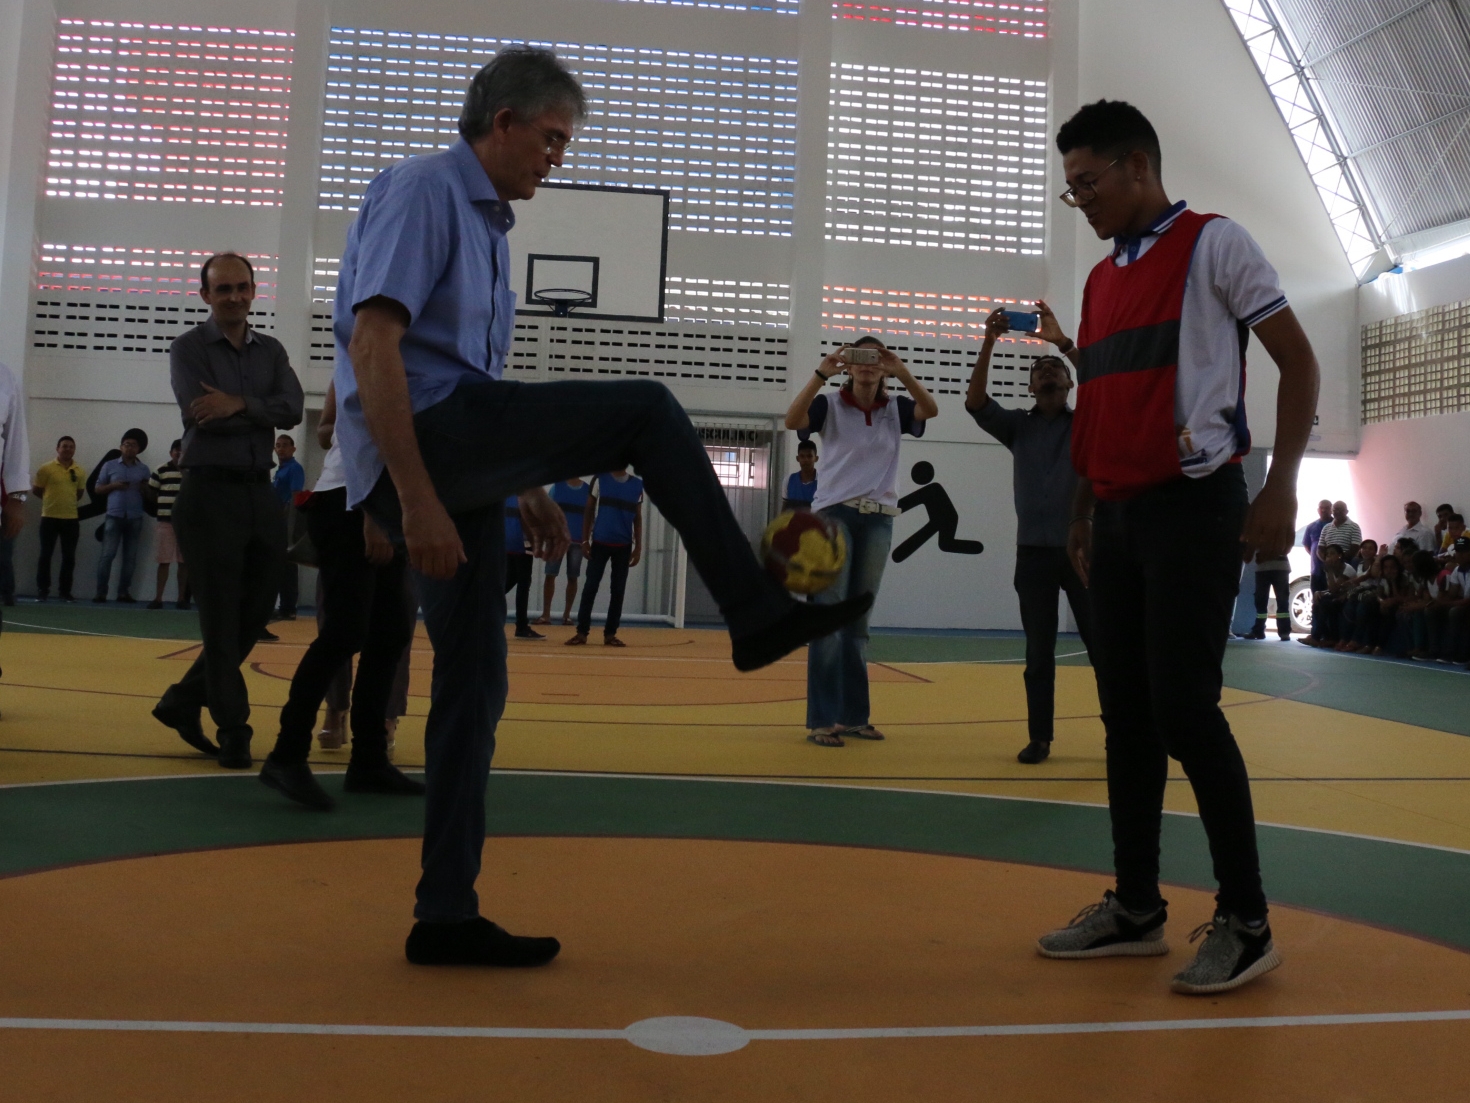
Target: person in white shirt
{"x":860,"y":428}
{"x":15,"y":452}
{"x":1447,"y":619}
{"x":1416,"y":530}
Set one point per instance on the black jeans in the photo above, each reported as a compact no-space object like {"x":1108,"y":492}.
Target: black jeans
{"x":602,"y":554}
{"x":1165,"y":574}
{"x":518,"y":574}
{"x":1280,"y":581}
{"x":233,"y":536}
{"x":486,"y":441}
{"x":291,"y":587}
{"x":363,"y":609}
{"x":1042,"y":574}
{"x":64,"y":531}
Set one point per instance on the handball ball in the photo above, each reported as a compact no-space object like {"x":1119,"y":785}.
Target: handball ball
{"x":804,"y":551}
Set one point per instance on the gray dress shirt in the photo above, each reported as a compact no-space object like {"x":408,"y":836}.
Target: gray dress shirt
{"x":260,"y":372}
{"x":1042,"y":474}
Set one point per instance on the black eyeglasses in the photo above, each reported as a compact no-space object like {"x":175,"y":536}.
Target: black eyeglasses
{"x":1079,"y":194}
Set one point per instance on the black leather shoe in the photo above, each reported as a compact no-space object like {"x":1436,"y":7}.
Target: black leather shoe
{"x":234,"y":750}
{"x":476,"y":942}
{"x":190,"y":730}
{"x":1038,"y":750}
{"x":267,"y":636}
{"x":294,"y":781}
{"x":383,"y":778}
{"x":802,"y":623}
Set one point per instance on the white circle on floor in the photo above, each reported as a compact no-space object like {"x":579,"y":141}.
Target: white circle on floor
{"x":687,"y":1036}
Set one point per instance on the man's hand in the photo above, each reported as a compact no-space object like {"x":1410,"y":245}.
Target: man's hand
{"x":545,"y":524}
{"x":1079,"y":548}
{"x":1270,"y":523}
{"x":637,"y":555}
{"x":996,"y":323}
{"x":12,"y":517}
{"x":434,"y":547}
{"x":1048,"y":328}
{"x":376,"y":546}
{"x":215,"y":405}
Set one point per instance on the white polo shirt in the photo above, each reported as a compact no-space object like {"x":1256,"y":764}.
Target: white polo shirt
{"x":15,"y":451}
{"x":859,"y":447}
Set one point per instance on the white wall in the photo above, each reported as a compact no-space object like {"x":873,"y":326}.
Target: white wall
{"x":1423,"y":459}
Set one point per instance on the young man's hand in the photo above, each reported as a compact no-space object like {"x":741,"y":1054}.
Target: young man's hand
{"x":12,"y":518}
{"x":545,"y":524}
{"x":996,"y":323}
{"x":215,"y":405}
{"x":1047,"y":326}
{"x":1270,"y":523}
{"x":376,"y":545}
{"x":635,"y":556}
{"x":1079,"y":548}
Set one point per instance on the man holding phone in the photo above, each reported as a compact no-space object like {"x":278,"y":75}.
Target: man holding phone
{"x":1040,"y":442}
{"x":1161,"y":523}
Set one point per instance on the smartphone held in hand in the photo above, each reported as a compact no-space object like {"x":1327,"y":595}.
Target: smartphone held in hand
{"x":1021,"y":322}
{"x":859,"y":356}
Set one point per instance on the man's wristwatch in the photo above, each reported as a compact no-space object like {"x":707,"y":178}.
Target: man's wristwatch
{"x":19,"y":496}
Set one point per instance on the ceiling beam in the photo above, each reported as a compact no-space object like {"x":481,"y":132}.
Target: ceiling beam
{"x":1405,"y":133}
{"x":1313,"y":62}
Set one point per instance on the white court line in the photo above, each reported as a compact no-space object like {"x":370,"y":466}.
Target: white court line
{"x":105,"y":635}
{"x":792,"y":1035}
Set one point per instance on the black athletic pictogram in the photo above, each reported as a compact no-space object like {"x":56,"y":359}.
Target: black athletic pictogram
{"x":943,"y":517}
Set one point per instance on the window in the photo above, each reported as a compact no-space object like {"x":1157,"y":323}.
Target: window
{"x":1417,"y":364}
{"x":780,"y":7}
{"x":723,"y":302}
{"x":173,"y":114}
{"x":717,"y":131}
{"x":939,"y":160}
{"x":125,"y":270}
{"x":1027,"y":20}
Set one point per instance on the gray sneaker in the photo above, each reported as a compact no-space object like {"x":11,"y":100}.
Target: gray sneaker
{"x":1232,"y":954}
{"x":1108,"y":930}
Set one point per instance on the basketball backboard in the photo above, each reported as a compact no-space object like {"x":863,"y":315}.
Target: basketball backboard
{"x":587,"y":251}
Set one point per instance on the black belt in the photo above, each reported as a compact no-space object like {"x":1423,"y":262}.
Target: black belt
{"x":227,"y":475}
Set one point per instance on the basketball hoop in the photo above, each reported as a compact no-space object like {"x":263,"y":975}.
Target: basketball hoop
{"x":562,"y":300}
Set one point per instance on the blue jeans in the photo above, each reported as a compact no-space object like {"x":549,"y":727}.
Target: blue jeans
{"x":124,"y":531}
{"x":486,"y":441}
{"x":837,"y":665}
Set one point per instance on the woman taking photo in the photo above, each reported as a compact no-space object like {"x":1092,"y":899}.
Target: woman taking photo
{"x":860,"y":427}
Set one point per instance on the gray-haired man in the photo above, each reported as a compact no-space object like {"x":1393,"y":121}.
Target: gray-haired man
{"x":434,"y":441}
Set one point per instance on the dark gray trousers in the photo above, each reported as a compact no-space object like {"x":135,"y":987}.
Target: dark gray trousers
{"x":233,"y":536}
{"x":1042,"y":574}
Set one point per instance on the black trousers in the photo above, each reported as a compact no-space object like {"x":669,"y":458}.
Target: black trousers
{"x":1042,"y":575}
{"x":233,"y":536}
{"x":1280,"y":581}
{"x":290,"y":587}
{"x":56,"y":530}
{"x":1165,"y":574}
{"x":363,"y":611}
{"x":518,"y":574}
{"x":602,"y":554}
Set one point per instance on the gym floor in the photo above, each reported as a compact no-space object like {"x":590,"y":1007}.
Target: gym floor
{"x":745,"y":916}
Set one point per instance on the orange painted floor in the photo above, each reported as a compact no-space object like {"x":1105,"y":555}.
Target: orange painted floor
{"x":765,"y":936}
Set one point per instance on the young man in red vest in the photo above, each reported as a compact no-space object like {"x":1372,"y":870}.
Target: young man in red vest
{"x":1161,"y":523}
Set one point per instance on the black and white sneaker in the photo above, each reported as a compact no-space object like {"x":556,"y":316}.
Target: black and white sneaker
{"x":1232,"y":954}
{"x":1108,"y":930}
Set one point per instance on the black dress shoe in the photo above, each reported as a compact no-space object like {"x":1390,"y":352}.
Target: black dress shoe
{"x":802,"y":623}
{"x":381,"y":778}
{"x":476,"y":942}
{"x":190,"y":730}
{"x":1038,"y":750}
{"x":127,"y":599}
{"x":155,"y":604}
{"x":267,"y":636}
{"x":234,"y":750}
{"x":294,"y":781}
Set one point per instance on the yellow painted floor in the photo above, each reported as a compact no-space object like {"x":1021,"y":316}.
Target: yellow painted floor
{"x":670,"y":703}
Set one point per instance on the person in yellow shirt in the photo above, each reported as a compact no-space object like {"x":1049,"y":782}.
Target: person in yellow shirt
{"x":59,"y":484}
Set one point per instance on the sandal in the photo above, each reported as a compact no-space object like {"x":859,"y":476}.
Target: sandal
{"x":612,"y":641}
{"x":542,"y":620}
{"x":566,"y":622}
{"x":867,"y":731}
{"x":826,"y":737}
{"x":578,"y":640}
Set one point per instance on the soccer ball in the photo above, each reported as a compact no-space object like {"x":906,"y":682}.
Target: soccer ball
{"x":804,"y":551}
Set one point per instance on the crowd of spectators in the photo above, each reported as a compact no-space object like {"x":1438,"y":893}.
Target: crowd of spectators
{"x":1408,"y":597}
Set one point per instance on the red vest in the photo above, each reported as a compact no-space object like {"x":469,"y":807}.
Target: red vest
{"x":1124,"y":437}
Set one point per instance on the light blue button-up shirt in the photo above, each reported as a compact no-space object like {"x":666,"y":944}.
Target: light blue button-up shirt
{"x":431,"y":236}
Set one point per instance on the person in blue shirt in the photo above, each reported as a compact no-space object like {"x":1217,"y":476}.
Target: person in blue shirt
{"x":573,"y":496}
{"x":122,"y":480}
{"x":613,"y":534}
{"x":290,"y":477}
{"x":801,"y":487}
{"x":434,"y":440}
{"x":518,"y":568}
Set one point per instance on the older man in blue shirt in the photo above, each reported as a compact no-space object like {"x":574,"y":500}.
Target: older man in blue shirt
{"x":434,"y":441}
